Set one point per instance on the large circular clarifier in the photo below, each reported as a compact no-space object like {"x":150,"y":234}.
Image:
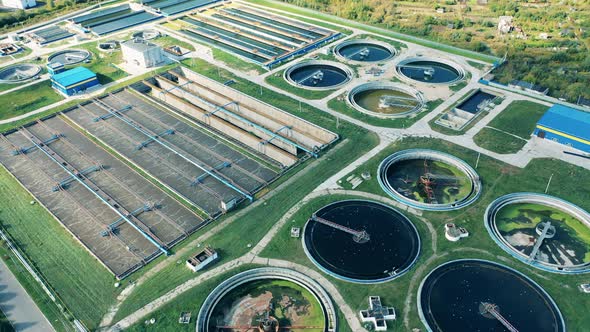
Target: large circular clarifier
{"x":364,"y":50}
{"x":267,"y":299}
{"x":69,"y":57}
{"x":477,"y":295}
{"x":318,"y":75}
{"x":361,"y":241}
{"x":19,"y":73}
{"x":543,"y":231}
{"x":386,"y":99}
{"x":427,"y":70}
{"x":429,"y":180}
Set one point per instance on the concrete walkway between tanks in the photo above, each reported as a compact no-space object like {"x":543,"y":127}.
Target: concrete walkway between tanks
{"x":18,"y":307}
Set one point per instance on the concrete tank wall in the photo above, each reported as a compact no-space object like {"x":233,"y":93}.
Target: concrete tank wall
{"x":207,"y":108}
{"x":244,"y":137}
{"x":323,"y":135}
{"x":261,"y":119}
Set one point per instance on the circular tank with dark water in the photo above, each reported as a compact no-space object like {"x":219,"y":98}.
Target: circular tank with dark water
{"x":318,"y":75}
{"x":19,"y":73}
{"x":476,"y":295}
{"x":385,"y":99}
{"x":364,"y":50}
{"x":427,"y":70}
{"x":361,"y":241}
{"x":69,"y":57}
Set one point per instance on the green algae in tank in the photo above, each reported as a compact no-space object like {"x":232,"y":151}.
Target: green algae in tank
{"x":376,"y":100}
{"x":570,"y":246}
{"x":289,"y":303}
{"x":429,"y":181}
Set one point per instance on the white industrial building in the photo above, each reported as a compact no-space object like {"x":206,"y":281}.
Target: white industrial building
{"x":20,"y":4}
{"x":139,"y":52}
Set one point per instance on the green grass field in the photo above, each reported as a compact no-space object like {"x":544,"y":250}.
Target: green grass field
{"x":102,"y":63}
{"x":497,"y":141}
{"x":28,"y":99}
{"x":519,"y":118}
{"x":5,"y":325}
{"x":498,"y":179}
{"x":82,"y":283}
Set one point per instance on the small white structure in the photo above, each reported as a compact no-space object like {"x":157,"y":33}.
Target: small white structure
{"x":19,"y":4}
{"x":295,"y":232}
{"x":377,"y":314}
{"x":202,"y":259}
{"x":454,"y":233}
{"x":139,"y":52}
{"x":585,"y":288}
{"x":505,"y":24}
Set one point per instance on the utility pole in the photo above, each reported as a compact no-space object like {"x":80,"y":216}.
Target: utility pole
{"x":477,"y":161}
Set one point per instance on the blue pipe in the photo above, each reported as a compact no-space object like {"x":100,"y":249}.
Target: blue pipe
{"x":149,"y":238}
{"x":155,"y":139}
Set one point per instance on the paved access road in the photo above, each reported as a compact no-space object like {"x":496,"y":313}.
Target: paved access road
{"x":18,"y":306}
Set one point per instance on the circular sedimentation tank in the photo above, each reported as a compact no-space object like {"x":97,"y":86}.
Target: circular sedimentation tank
{"x":429,"y":70}
{"x":386,"y":99}
{"x":19,"y":73}
{"x":361,"y":241}
{"x":318,"y":75}
{"x":364,"y":51}
{"x":69,"y":57}
{"x":146,"y":34}
{"x":273,"y":297}
{"x":475,"y":295}
{"x":429,"y":180}
{"x":544,"y":231}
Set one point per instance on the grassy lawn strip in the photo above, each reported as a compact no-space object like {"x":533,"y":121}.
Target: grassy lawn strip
{"x":497,"y":141}
{"x":16,"y":124}
{"x":519,"y":118}
{"x":102,"y":63}
{"x":5,"y":325}
{"x":277,"y":80}
{"x":251,"y":227}
{"x":28,"y":99}
{"x":81,"y":282}
{"x":336,"y":20}
{"x":340,"y":105}
{"x":498,"y":179}
{"x":167,"y":41}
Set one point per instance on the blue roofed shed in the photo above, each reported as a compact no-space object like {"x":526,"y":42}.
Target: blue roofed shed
{"x":74,"y":80}
{"x":565,"y":125}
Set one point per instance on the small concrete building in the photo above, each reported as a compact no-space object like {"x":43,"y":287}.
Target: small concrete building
{"x":565,"y":125}
{"x":19,"y":4}
{"x":142,"y":53}
{"x":73,"y":81}
{"x":202,"y":259}
{"x":377,"y":314}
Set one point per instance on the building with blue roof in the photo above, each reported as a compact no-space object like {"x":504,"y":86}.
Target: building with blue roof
{"x":565,"y":125}
{"x":74,"y":80}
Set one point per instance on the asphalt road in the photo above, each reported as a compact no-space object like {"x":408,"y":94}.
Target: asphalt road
{"x":18,"y":306}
